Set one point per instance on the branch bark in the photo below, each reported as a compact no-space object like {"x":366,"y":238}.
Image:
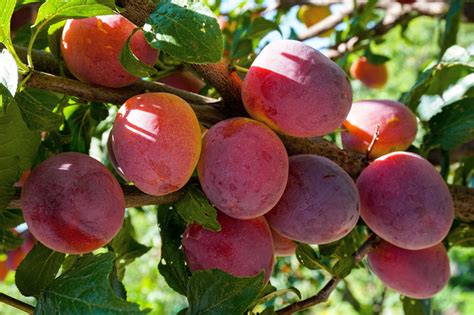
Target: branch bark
{"x":16,"y":303}
{"x":323,"y":295}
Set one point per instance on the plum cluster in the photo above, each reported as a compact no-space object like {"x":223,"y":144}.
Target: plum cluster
{"x":266,"y":200}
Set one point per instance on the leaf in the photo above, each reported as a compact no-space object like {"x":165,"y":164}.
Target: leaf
{"x":278,"y":293}
{"x":194,"y":207}
{"x":9,"y":241}
{"x":18,"y":147}
{"x":6,"y":11}
{"x":453,"y":126}
{"x":54,"y":38}
{"x":374,"y":58}
{"x":451,"y":28}
{"x":462,"y":235}
{"x":8,"y":77}
{"x":416,"y":307}
{"x":261,"y":27}
{"x":131,"y":63}
{"x":126,"y":247}
{"x":172,"y":265}
{"x":308,"y":257}
{"x":38,"y":270}
{"x":455,"y":65}
{"x":11,"y":218}
{"x":54,"y":11}
{"x":343,"y":267}
{"x":85,"y":289}
{"x":216,"y":292}
{"x":37,"y":116}
{"x":187,"y":30}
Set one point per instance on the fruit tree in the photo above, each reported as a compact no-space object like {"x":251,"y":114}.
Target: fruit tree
{"x":236,"y":157}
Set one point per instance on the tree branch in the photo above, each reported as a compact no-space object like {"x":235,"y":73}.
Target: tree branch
{"x":16,"y":303}
{"x":323,"y":295}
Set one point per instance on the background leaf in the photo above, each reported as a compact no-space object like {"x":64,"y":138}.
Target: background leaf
{"x":194,"y":207}
{"x":85,"y":289}
{"x":131,"y":63}
{"x":187,"y":30}
{"x":37,"y":270}
{"x":216,"y":292}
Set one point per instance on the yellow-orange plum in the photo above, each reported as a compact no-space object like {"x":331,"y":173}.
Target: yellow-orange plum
{"x":91,"y":48}
{"x":397,"y":127}
{"x":371,"y":75}
{"x":156,"y":142}
{"x":296,"y":90}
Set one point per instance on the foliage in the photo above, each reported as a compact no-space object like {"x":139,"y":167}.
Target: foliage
{"x":430,"y":71}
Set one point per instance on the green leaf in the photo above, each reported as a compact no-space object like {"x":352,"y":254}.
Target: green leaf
{"x":54,"y":11}
{"x":216,"y":292}
{"x":194,"y":207}
{"x":131,"y":63}
{"x":9,"y":241}
{"x":308,"y":257}
{"x":187,"y":30}
{"x":451,"y":28}
{"x":172,"y":265}
{"x":261,"y":27}
{"x":37,"y":116}
{"x":462,"y":235}
{"x":343,"y":267}
{"x":38,"y":270}
{"x":18,"y":147}
{"x":374,"y":58}
{"x":85,"y":289}
{"x":453,"y":126}
{"x":6,"y":11}
{"x":455,"y":65}
{"x":416,"y":307}
{"x":283,"y":293}
{"x":126,"y":247}
{"x":54,"y":38}
{"x":11,"y":218}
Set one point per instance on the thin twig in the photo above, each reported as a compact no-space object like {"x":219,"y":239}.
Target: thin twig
{"x":325,"y":292}
{"x":16,"y":303}
{"x":375,"y":138}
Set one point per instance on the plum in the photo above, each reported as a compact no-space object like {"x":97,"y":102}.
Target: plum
{"x":296,"y":90}
{"x":72,"y":203}
{"x":243,"y":167}
{"x":405,"y":201}
{"x":320,"y":204}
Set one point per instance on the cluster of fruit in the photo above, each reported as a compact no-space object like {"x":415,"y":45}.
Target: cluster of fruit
{"x":73,"y":204}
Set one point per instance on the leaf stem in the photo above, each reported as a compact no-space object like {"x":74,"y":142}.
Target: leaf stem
{"x":16,"y":303}
{"x":325,"y":292}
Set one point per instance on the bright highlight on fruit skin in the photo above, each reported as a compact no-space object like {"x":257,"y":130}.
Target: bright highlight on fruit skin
{"x":309,"y":210}
{"x":91,"y":48}
{"x":156,"y":142}
{"x":405,"y":201}
{"x":241,"y":248}
{"x":243,"y":167}
{"x":75,"y":210}
{"x":296,"y":90}
{"x":419,"y":274}
{"x":397,"y":127}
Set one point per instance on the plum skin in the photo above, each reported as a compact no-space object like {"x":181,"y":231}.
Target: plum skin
{"x":156,"y":141}
{"x":91,"y":48}
{"x":282,"y":246}
{"x":241,"y":248}
{"x":405,"y":201}
{"x":307,"y":211}
{"x":296,"y":90}
{"x":418,"y":274}
{"x":397,"y":124}
{"x":72,"y":203}
{"x":243,"y":168}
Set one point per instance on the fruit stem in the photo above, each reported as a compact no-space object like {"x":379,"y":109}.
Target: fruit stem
{"x":16,"y":303}
{"x":375,"y":138}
